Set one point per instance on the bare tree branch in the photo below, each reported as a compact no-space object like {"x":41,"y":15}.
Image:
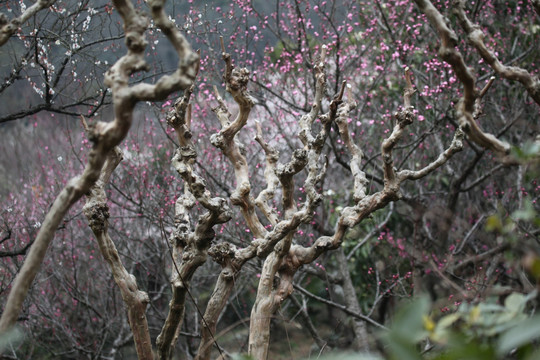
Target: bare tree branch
{"x":466,"y":106}
{"x":96,"y":211}
{"x":475,"y":35}
{"x":106,"y":136}
{"x":341,"y":307}
{"x":10,"y":27}
{"x":236,"y":83}
{"x":190,"y":248}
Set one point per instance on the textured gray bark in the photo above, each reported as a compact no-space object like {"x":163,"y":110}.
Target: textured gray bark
{"x":106,"y":136}
{"x":96,"y":211}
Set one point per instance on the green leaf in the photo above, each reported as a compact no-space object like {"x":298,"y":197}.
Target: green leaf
{"x":408,"y":330}
{"x":402,"y":349}
{"x":351,"y":356}
{"x":528,"y":213}
{"x":242,"y":357}
{"x":505,"y":323}
{"x":522,"y":334}
{"x":528,"y":151}
{"x":409,"y":322}
{"x":461,"y":349}
{"x":532,"y":265}
{"x":442,"y":329}
{"x":447,"y":320}
{"x":515,"y":302}
{"x":534,"y":356}
{"x":494,"y":223}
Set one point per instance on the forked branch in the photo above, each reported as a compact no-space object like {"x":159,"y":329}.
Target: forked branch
{"x":189,"y":248}
{"x":106,"y":136}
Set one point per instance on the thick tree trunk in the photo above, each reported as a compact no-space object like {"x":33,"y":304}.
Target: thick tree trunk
{"x":263,"y":309}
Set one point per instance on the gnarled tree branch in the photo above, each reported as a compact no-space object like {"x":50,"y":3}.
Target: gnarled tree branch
{"x":475,"y":35}
{"x":190,"y":248}
{"x":465,"y":108}
{"x":96,"y":211}
{"x":105,"y":136}
{"x":10,"y":27}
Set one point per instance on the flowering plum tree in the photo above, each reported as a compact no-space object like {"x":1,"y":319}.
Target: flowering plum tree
{"x":322,"y":157}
